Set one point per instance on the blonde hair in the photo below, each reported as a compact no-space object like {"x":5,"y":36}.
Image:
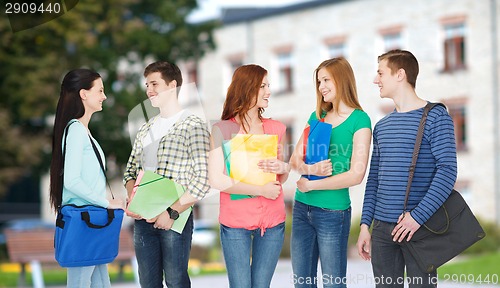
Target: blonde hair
{"x":343,"y":78}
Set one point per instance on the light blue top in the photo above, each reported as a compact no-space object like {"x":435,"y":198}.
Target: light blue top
{"x":84,"y":180}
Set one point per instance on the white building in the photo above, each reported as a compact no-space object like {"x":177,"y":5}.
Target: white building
{"x":455,"y":41}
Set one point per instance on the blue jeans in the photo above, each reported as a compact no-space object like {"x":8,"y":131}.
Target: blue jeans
{"x":89,"y":276}
{"x":319,"y":233}
{"x":251,"y":258}
{"x":389,"y":259}
{"x":162,"y":253}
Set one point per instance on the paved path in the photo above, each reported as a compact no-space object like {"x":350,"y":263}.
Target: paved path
{"x":358,"y":272}
{"x":359,"y":275}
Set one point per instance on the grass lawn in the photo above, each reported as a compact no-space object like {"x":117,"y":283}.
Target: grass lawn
{"x":482,"y":269}
{"x":54,"y":275}
{"x":51,"y":276}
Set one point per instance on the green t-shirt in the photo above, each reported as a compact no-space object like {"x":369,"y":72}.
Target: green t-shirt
{"x":340,"y":152}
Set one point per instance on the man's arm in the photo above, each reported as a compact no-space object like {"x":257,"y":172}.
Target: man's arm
{"x":198,"y":143}
{"x":370,"y":198}
{"x":131,"y":172}
{"x":442,"y":144}
{"x":369,"y":202}
{"x":443,"y":148}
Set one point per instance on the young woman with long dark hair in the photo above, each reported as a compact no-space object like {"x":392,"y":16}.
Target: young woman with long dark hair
{"x":76,"y":177}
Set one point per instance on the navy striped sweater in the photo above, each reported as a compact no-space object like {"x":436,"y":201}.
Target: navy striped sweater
{"x":393,"y":141}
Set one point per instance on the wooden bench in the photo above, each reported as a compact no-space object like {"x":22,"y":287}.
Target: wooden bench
{"x":37,"y":246}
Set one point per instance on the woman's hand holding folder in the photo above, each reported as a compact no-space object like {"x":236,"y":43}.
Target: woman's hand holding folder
{"x":270,"y":190}
{"x":274,"y":166}
{"x":321,"y":168}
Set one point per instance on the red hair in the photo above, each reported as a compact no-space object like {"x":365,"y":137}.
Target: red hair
{"x":242,"y":92}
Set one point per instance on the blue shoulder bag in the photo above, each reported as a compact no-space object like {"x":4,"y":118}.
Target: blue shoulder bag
{"x":86,"y":235}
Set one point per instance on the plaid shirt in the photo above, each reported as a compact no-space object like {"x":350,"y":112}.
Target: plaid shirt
{"x":182,"y":154}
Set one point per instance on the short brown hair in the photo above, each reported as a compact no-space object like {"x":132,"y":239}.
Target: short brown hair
{"x":402,"y":59}
{"x":169,"y":71}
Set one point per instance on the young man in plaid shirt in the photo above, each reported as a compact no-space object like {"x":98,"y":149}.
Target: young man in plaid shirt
{"x":174,"y":144}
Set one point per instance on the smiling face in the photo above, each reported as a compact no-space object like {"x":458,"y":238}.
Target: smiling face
{"x":158,"y":90}
{"x":385,"y":80}
{"x":264,"y":94}
{"x":93,"y":98}
{"x":326,"y":85}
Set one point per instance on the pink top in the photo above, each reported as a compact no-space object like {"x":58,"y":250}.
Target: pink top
{"x":256,"y":212}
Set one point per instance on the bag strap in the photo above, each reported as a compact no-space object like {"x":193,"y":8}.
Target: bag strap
{"x":86,"y":218}
{"x":95,"y":151}
{"x":416,"y":149}
{"x":64,"y":147}
{"x":59,"y":222}
{"x":59,"y":219}
{"x":101,"y":164}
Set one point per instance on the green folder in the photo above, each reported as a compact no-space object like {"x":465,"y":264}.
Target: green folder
{"x":154,"y":195}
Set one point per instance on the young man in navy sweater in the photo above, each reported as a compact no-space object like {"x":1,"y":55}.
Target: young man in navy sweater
{"x":435,"y":174}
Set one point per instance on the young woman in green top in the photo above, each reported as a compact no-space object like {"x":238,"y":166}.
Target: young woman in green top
{"x":322,"y":208}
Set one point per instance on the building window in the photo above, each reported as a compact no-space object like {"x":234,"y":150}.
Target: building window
{"x":459,"y":116}
{"x":336,"y":50}
{"x":289,"y":143}
{"x":454,"y":47}
{"x":392,"y":41}
{"x":285,"y":73}
{"x":193,"y":74}
{"x":392,"y":37}
{"x":235,"y":63}
{"x":336,"y":46}
{"x":189,"y":94}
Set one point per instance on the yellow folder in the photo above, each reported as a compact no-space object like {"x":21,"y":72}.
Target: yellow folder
{"x":153,"y":194}
{"x":243,"y":152}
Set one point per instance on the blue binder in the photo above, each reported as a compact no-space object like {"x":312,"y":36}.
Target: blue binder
{"x":317,"y":144}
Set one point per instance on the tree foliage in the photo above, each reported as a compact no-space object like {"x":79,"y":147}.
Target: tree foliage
{"x":95,"y":34}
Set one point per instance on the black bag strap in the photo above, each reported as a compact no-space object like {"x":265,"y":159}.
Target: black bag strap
{"x":101,"y":164}
{"x":416,"y":150}
{"x":64,"y":147}
{"x":59,"y":220}
{"x":86,"y":218}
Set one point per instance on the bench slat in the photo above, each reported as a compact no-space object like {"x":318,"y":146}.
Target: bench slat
{"x":25,"y":246}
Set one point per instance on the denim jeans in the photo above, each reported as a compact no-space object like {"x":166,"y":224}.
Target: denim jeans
{"x":251,"y":258}
{"x":162,"y":253}
{"x":319,"y":234}
{"x":389,"y":259}
{"x":89,"y":276}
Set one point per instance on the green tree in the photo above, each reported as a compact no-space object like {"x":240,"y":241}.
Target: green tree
{"x":95,"y":34}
